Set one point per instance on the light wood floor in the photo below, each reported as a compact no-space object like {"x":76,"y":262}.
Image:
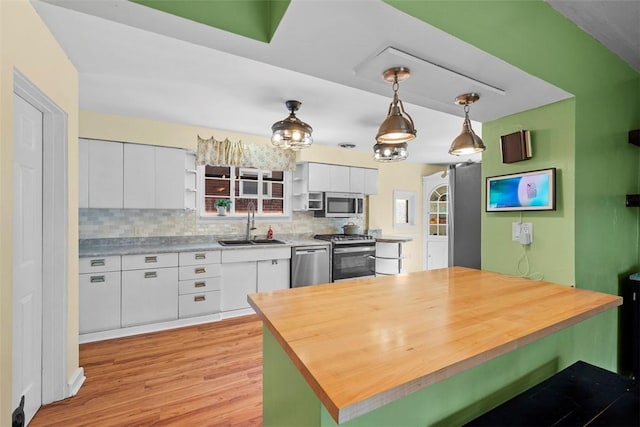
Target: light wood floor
{"x":205,"y":375}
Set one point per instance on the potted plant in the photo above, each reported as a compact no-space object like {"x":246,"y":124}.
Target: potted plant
{"x":222,"y":205}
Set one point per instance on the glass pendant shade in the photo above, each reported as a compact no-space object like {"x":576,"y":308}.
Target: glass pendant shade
{"x":291,"y":132}
{"x":390,"y":152}
{"x":467,"y":142}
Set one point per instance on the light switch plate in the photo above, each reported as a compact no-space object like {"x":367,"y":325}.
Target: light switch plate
{"x":515,"y":231}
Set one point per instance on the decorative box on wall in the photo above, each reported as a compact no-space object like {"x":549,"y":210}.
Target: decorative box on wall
{"x":516,"y":146}
{"x":633,"y":200}
{"x":634,"y":137}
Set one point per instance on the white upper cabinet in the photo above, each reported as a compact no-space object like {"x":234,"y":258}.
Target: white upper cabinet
{"x":170,"y":178}
{"x":105,"y":178}
{"x":356,"y":180}
{"x":83,"y":174}
{"x":139,"y":176}
{"x":339,"y":179}
{"x":370,"y":181}
{"x":318,"y":177}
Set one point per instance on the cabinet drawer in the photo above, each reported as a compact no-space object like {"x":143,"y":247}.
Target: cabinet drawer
{"x":199,"y":304}
{"x":256,"y":254}
{"x":199,"y":271}
{"x":388,"y":250}
{"x":199,"y":285}
{"x":99,"y":264}
{"x":149,"y":296}
{"x":99,"y":304}
{"x":146,"y":261}
{"x":202,"y":257}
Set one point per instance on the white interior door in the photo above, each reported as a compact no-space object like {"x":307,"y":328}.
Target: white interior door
{"x":435,"y":221}
{"x":27,"y":257}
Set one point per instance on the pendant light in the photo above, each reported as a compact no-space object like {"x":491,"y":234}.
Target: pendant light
{"x":398,"y":127}
{"x":390,"y":152}
{"x":467,"y":142}
{"x":291,"y":132}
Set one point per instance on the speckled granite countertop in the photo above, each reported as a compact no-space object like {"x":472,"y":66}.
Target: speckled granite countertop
{"x":145,"y":245}
{"x":394,"y":239}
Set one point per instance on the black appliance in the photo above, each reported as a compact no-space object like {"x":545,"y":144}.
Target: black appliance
{"x":352,"y":255}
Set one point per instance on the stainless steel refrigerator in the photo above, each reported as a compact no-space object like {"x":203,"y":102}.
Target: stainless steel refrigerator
{"x":465,"y":206}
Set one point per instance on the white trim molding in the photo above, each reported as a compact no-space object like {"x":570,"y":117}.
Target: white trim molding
{"x":76,"y":381}
{"x":55,"y":234}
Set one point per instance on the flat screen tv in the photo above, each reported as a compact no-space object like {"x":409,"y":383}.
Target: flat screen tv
{"x":524,"y":191}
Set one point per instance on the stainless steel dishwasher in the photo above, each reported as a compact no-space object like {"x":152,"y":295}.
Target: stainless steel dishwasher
{"x":310,"y":265}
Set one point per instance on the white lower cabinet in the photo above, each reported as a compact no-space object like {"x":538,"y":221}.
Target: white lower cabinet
{"x":238,"y":280}
{"x":273,"y":274}
{"x":99,"y":301}
{"x":99,"y":294}
{"x":252,"y":270}
{"x":149,"y":295}
{"x":126,"y":291}
{"x":199,"y":285}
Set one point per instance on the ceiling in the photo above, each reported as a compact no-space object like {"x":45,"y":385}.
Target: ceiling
{"x":137,"y":61}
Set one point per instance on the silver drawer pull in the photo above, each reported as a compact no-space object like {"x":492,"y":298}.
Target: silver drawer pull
{"x":97,"y":279}
{"x":98,"y":263}
{"x":200,"y":270}
{"x":199,"y":284}
{"x":201,"y":256}
{"x":148,"y":259}
{"x":199,"y":298}
{"x":150,"y":274}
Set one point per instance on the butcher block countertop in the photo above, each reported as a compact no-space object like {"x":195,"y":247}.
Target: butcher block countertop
{"x":364,"y":343}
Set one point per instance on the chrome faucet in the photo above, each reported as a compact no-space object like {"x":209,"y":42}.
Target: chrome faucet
{"x":251,"y":219}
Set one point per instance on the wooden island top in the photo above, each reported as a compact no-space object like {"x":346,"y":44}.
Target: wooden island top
{"x":364,"y":343}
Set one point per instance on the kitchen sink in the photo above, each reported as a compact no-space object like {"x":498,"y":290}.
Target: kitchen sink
{"x":250,"y":242}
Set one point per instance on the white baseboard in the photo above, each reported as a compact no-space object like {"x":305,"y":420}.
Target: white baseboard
{"x":237,"y":313}
{"x":143,"y":329}
{"x":163,"y":326}
{"x":76,"y":382}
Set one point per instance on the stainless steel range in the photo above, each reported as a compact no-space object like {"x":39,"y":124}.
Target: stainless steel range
{"x":353,"y":255}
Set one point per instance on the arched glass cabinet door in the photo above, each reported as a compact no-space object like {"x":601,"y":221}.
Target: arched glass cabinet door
{"x":438,"y":211}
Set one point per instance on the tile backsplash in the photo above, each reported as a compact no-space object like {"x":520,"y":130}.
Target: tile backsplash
{"x":110,"y":223}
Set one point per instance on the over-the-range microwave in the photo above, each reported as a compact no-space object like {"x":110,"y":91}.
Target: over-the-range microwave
{"x":341,"y":205}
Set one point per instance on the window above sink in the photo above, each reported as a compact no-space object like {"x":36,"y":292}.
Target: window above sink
{"x":270,"y":191}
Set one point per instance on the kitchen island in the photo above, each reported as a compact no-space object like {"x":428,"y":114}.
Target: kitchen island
{"x":336,"y":352}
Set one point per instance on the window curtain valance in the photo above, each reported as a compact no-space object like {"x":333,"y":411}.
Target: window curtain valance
{"x":227,"y":153}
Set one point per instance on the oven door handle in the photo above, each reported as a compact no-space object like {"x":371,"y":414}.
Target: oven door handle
{"x":354,"y":250}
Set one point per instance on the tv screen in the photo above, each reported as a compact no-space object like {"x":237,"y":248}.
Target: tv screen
{"x":525,"y":191}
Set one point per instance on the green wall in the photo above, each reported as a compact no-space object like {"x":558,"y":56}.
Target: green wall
{"x":592,"y":240}
{"x":598,"y":166}
{"x":553,"y":143}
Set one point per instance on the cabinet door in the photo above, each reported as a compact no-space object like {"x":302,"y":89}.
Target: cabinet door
{"x":273,"y":275}
{"x":238,"y":280}
{"x":319,"y":177}
{"x":99,"y":303}
{"x":356,"y":180}
{"x":371,"y":181}
{"x":170,"y":178}
{"x":339,"y":178}
{"x":437,"y":254}
{"x":105,"y":174}
{"x":139,"y":176}
{"x":149,"y":296}
{"x":83,"y":173}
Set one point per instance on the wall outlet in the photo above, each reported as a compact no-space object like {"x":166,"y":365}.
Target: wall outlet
{"x":522,"y":232}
